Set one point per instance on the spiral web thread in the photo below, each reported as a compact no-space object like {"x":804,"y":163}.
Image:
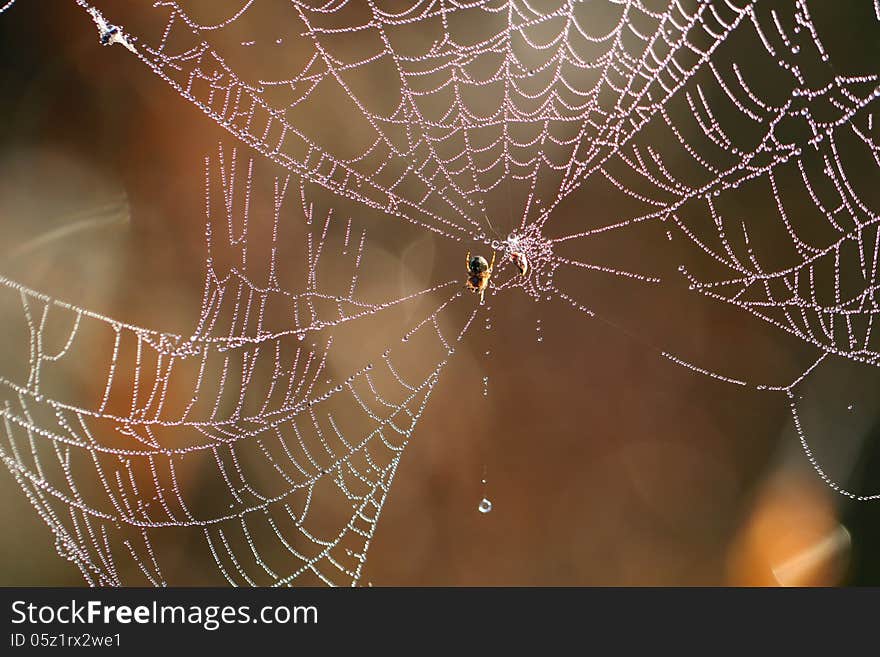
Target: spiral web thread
{"x":681,"y":108}
{"x":135,"y":439}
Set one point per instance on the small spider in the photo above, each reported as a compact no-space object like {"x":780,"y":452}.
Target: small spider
{"x":109,"y":34}
{"x":521,"y":262}
{"x":479,"y":271}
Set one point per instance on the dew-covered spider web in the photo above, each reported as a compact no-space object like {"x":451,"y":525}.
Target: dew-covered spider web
{"x":725,"y":135}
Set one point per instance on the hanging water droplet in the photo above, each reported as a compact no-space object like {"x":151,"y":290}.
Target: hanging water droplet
{"x":485,"y":505}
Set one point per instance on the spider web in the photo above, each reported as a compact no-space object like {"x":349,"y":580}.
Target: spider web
{"x":709,"y":121}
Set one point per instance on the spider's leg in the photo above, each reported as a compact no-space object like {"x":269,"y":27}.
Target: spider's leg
{"x":492,"y":264}
{"x":467,"y":261}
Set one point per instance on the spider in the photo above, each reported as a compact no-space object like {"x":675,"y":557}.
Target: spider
{"x":479,"y":271}
{"x":110,"y":34}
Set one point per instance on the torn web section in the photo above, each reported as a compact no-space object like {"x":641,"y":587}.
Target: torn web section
{"x":760,"y":168}
{"x":259,"y":449}
{"x":742,"y":174}
{"x":791,"y":230}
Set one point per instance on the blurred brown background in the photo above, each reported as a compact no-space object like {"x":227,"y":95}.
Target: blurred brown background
{"x":606,"y":463}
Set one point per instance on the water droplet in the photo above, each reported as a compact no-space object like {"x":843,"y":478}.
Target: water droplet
{"x":485,"y":505}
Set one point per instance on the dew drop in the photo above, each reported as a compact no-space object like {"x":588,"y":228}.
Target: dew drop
{"x":485,"y":505}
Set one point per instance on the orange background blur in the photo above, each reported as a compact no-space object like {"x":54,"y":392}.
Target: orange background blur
{"x":606,"y":463}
